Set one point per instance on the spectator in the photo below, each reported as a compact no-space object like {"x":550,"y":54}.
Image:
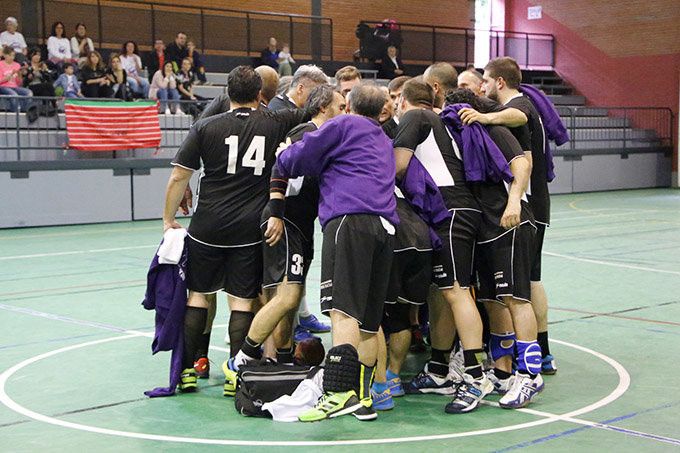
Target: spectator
{"x":12,"y":38}
{"x":347,"y":78}
{"x":156,"y":58}
{"x":81,"y":44}
{"x":197,"y":65}
{"x":305,"y":79}
{"x":59,"y":47}
{"x":286,"y":61}
{"x":270,"y":55}
{"x":177,"y":51}
{"x":186,"y":79}
{"x":118,"y":77}
{"x":68,"y":83}
{"x":132,"y":64}
{"x":37,"y":76}
{"x":164,"y":87}
{"x":93,"y":77}
{"x":472,"y":80}
{"x":391,"y":65}
{"x":10,"y":80}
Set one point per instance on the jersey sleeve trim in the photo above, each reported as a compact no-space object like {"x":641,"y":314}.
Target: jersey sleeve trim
{"x":176,"y":164}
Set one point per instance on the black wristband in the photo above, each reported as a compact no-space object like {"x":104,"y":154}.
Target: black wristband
{"x":277,"y":207}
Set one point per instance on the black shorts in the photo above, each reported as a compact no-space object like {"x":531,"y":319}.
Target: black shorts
{"x":396,"y":318}
{"x":356,"y":259}
{"x":236,"y":270}
{"x":454,"y":261}
{"x":538,"y":250}
{"x":504,"y":265}
{"x":410,"y":277}
{"x":291,"y":257}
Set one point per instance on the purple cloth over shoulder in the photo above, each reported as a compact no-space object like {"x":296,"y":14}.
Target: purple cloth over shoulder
{"x":166,"y":292}
{"x":482,"y":159}
{"x":552,"y":123}
{"x":423,"y":195}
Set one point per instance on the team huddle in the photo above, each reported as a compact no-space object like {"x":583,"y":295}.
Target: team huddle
{"x":432,"y":191}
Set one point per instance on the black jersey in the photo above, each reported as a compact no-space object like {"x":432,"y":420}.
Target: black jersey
{"x":281,"y":102}
{"x":493,"y":197}
{"x":236,"y":151}
{"x":424,"y":133}
{"x":390,"y":127}
{"x":539,"y":197}
{"x":302,"y":197}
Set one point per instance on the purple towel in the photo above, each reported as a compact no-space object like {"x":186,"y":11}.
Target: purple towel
{"x":482,"y":159}
{"x":166,"y":292}
{"x":552,"y":123}
{"x":423,"y":195}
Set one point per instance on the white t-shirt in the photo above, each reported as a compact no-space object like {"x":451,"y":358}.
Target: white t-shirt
{"x":75,"y":47}
{"x":59,"y":48}
{"x":130,"y":64}
{"x":14,"y":40}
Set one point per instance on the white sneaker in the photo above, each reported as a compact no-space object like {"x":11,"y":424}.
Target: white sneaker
{"x":180,"y":112}
{"x":469,"y":394}
{"x":538,"y":383}
{"x":426,"y":382}
{"x":457,"y":364}
{"x":500,"y":386}
{"x":167,"y":111}
{"x":520,"y":394}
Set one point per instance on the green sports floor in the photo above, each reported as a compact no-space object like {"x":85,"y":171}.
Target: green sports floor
{"x":75,"y":349}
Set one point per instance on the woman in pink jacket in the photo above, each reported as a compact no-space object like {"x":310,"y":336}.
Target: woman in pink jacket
{"x":164,"y":87}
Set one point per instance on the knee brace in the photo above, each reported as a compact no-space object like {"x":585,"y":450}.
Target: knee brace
{"x":529,"y":357}
{"x":342,"y":369}
{"x":501,"y":345}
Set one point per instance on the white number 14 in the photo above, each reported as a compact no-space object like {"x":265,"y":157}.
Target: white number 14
{"x":253,"y":157}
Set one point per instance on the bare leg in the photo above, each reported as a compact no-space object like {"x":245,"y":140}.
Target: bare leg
{"x":466,"y":316}
{"x":381,"y":366}
{"x":399,"y":346}
{"x":539,"y":301}
{"x":500,"y":321}
{"x":286,"y":300}
{"x":442,"y":327}
{"x":523,"y":318}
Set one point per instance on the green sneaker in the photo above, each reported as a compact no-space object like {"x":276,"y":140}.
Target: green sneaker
{"x":188,"y":383}
{"x":230,"y":378}
{"x":332,"y":405}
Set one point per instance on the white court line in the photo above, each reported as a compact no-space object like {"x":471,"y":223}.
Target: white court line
{"x":75,"y":233}
{"x":624,"y":383}
{"x":612,"y":264}
{"x":75,"y":252}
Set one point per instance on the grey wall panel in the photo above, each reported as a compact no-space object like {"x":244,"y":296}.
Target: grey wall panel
{"x":64,"y":197}
{"x":609,"y":172}
{"x":563,"y":176}
{"x":149,"y":192}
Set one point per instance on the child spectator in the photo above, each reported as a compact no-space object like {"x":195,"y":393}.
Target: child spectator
{"x":118,"y":77}
{"x":10,"y":80}
{"x":12,"y":38}
{"x":37,"y":76}
{"x":81,"y":44}
{"x":68,"y":83}
{"x":164,"y":87}
{"x":59,"y":47}
{"x":93,"y":77}
{"x":197,"y":65}
{"x":286,"y":61}
{"x":132,"y":64}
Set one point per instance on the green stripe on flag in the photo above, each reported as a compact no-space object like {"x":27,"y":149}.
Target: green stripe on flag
{"x":105,"y":104}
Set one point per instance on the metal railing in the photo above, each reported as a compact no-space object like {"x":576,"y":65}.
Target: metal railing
{"x":617,"y":128}
{"x":430,"y":43}
{"x":216,"y":31}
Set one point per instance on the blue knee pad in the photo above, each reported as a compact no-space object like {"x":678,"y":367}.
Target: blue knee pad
{"x":501,"y":345}
{"x":529,"y":357}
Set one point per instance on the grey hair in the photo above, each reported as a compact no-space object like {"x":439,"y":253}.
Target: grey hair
{"x":309,"y":72}
{"x":367,"y":100}
{"x":11,"y":20}
{"x":320,"y":97}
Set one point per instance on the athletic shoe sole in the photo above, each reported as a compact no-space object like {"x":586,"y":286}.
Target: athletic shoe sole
{"x":445,"y":392}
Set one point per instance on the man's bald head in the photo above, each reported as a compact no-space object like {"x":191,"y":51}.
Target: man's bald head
{"x":472,"y":80}
{"x":366,"y":99}
{"x":442,"y":77}
{"x":270,"y":82}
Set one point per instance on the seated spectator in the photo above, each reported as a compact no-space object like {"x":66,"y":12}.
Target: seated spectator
{"x":156,"y":59}
{"x":197,"y":65}
{"x":68,"y":84}
{"x":186,"y":79}
{"x":177,"y":51}
{"x":37,"y":76}
{"x":346,"y":78}
{"x":391,"y":65}
{"x":270,"y":55}
{"x":95,"y":84}
{"x":118,"y":78}
{"x":59,"y":47}
{"x":81,"y":44}
{"x":132,"y":64}
{"x":164,"y":87}
{"x":12,"y":38}
{"x":10,"y":81}
{"x":286,"y":61}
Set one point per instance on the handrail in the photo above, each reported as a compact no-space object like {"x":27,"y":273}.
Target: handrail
{"x":447,"y":27}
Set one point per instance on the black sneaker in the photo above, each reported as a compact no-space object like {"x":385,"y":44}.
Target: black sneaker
{"x":366,"y":412}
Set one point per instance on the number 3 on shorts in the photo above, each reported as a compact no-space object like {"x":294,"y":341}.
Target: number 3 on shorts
{"x":253,"y":157}
{"x":296,"y":268}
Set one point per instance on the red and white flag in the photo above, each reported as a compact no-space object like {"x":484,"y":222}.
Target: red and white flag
{"x":111,"y":126}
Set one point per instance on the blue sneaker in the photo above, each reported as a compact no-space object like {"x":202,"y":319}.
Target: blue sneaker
{"x":382,"y":401}
{"x":301,"y":334}
{"x":548,"y":365}
{"x":395,"y":386}
{"x":426,"y":382}
{"x":313,"y":324}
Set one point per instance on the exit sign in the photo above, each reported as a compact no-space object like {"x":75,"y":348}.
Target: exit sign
{"x":534,"y":12}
